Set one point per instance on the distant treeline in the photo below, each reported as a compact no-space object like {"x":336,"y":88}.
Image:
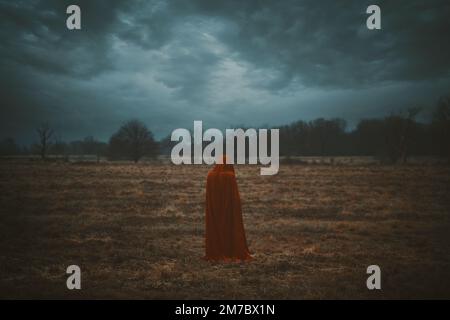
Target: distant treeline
{"x":132,"y":141}
{"x":393,"y":138}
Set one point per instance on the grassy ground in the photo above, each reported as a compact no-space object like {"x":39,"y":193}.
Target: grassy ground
{"x":136,"y":231}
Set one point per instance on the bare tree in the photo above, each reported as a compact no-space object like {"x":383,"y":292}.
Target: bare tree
{"x":45,"y":134}
{"x":441,"y":127}
{"x":133,"y":141}
{"x":399,"y":134}
{"x":406,"y":137}
{"x":92,"y":146}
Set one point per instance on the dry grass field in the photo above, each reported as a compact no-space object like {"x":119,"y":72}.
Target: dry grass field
{"x":136,"y":231}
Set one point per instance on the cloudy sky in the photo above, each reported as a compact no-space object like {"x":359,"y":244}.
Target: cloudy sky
{"x":228,"y":63}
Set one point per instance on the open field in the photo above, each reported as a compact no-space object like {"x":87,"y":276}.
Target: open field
{"x":136,"y":231}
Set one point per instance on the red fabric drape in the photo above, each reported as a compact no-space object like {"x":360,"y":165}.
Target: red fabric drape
{"x":225,"y":235}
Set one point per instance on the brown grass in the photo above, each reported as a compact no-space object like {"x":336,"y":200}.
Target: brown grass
{"x":136,"y":231}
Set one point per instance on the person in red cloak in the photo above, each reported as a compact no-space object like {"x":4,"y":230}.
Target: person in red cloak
{"x":225,"y":235}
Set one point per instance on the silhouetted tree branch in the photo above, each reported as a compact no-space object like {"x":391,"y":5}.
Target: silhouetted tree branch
{"x":45,"y":134}
{"x":132,"y":141}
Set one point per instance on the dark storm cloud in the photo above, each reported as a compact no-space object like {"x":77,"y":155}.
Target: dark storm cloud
{"x":34,"y":34}
{"x":327,"y":42}
{"x":224,"y":62}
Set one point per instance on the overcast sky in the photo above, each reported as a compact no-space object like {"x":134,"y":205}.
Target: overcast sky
{"x":228,"y":63}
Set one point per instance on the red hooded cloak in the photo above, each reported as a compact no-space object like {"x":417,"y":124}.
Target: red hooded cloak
{"x":225,"y":236}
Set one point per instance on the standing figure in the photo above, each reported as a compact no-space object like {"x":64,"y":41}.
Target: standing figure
{"x":225,"y":236}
